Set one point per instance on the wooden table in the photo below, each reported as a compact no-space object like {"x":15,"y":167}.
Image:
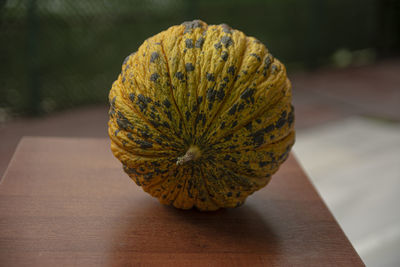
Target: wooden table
{"x":67,"y":202}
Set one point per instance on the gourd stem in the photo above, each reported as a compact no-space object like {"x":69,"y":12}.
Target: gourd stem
{"x":193,"y":153}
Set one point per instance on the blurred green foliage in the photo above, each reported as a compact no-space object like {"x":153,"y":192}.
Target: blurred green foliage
{"x":57,"y":54}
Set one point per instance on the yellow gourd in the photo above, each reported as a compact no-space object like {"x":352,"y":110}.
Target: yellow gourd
{"x":201,"y":116}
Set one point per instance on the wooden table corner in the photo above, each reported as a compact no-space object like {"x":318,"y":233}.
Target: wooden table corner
{"x":67,"y":202}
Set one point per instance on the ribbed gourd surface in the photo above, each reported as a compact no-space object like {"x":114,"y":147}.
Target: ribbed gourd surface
{"x":201,"y":116}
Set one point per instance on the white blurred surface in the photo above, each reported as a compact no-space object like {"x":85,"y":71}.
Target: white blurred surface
{"x":355,"y":166}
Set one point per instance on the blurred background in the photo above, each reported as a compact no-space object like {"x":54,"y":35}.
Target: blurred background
{"x":58,"y":59}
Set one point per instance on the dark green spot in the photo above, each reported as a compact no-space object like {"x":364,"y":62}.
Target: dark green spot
{"x":141,"y":102}
{"x":226,"y":28}
{"x":247,"y":93}
{"x":154,"y":77}
{"x":189,"y":43}
{"x":279,"y":124}
{"x":144,"y":134}
{"x":224,"y":55}
{"x":179,"y":75}
{"x":269,"y":128}
{"x":256,"y":56}
{"x":210,"y":77}
{"x":231,"y":70}
{"x":168,"y":113}
{"x":262,"y":163}
{"x":189,"y":67}
{"x":211,"y":94}
{"x":166,"y":103}
{"x":226,"y":41}
{"x":221,"y":94}
{"x":258,"y":137}
{"x":142,"y":98}
{"x":199,"y":42}
{"x":154,"y":57}
{"x":190,"y":25}
{"x":166,"y":125}
{"x":200,"y":117}
{"x":187,"y":114}
{"x":267,"y":62}
{"x":143,"y":144}
{"x":218,"y":45}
